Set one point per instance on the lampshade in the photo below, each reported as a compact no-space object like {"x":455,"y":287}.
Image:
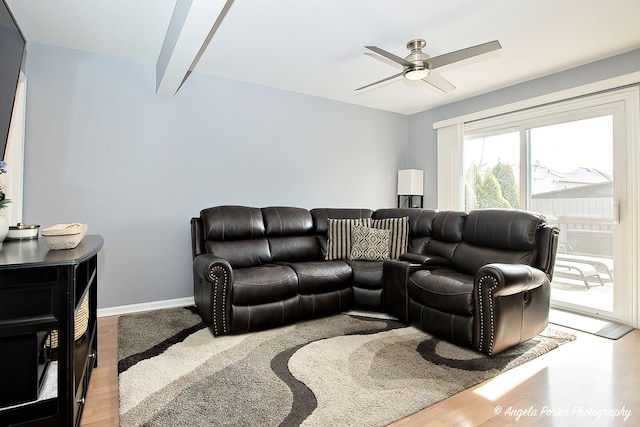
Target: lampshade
{"x":410,"y":182}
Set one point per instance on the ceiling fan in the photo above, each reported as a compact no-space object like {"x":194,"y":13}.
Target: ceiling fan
{"x":419,"y":66}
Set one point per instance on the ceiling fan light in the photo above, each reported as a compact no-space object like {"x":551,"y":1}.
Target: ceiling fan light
{"x":416,"y":73}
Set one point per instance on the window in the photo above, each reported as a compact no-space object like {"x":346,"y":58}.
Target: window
{"x":491,"y":165}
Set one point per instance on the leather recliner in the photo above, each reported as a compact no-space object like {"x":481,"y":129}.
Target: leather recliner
{"x":483,"y":280}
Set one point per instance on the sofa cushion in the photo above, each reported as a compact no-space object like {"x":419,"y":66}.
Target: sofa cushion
{"x":399,"y":228}
{"x":263,"y":285}
{"x":321,"y":217}
{"x":318,"y":277}
{"x":291,"y":235}
{"x":369,"y":244}
{"x":446,"y":233}
{"x":420,"y":225}
{"x":241,"y":253}
{"x":237,"y":234}
{"x":232,"y":223}
{"x":287,"y":221}
{"x":340,"y":235}
{"x":448,"y":226}
{"x":443,"y":289}
{"x":469,"y":258}
{"x":420,"y":220}
{"x":366,"y":274}
{"x":441,"y":249}
{"x":509,"y":229}
{"x":294,"y":248}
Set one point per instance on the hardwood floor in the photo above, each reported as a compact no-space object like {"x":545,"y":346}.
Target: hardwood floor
{"x":591,"y":381}
{"x":101,"y":407}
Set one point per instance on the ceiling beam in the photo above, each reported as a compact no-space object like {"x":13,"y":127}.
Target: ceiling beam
{"x":192,"y":25}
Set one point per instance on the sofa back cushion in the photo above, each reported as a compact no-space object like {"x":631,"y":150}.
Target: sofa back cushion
{"x":420,"y":225}
{"x":510,"y":229}
{"x":468,"y":258}
{"x":446,"y":233}
{"x":290,"y":234}
{"x":237,"y":234}
{"x":321,"y":215}
{"x":497,"y":235}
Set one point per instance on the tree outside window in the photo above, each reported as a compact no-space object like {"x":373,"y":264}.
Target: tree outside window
{"x":498,"y":187}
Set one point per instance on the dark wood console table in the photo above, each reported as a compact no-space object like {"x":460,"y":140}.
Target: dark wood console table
{"x":40,"y":291}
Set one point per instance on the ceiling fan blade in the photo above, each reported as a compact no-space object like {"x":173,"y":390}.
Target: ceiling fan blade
{"x":435,"y":79}
{"x":380,"y":81}
{"x":390,"y":56}
{"x":459,"y":55}
{"x":383,"y":59}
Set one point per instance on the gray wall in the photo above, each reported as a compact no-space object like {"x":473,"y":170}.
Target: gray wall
{"x":422,"y":137}
{"x":102,"y":148}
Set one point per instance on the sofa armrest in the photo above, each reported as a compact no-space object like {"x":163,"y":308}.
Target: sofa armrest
{"x":197,"y":244}
{"x":395,"y":274}
{"x":509,"y":279}
{"x":511,"y":305}
{"x":213,"y":277}
{"x":425,"y":260}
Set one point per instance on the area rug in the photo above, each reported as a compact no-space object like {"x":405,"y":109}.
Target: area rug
{"x":347,"y":369}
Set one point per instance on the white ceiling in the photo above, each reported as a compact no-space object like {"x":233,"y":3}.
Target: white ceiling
{"x":316,"y":47}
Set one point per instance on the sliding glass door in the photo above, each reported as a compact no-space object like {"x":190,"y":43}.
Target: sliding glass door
{"x":572,"y":180}
{"x":570,"y":164}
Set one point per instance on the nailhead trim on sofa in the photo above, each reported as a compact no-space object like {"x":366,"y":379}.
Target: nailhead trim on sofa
{"x":216,"y":284}
{"x":481,"y":309}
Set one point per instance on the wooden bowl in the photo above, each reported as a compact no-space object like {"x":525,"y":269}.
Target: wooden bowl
{"x":64,"y":236}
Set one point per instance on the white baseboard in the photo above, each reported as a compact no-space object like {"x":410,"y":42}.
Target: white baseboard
{"x":145,"y":306}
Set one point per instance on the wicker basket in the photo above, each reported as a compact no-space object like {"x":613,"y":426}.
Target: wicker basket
{"x":81,"y":323}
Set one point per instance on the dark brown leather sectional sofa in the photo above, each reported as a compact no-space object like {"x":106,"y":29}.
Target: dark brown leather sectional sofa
{"x":479,"y":279}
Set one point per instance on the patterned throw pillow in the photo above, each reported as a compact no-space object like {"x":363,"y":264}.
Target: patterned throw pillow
{"x":369,"y":244}
{"x":339,"y":236}
{"x":399,"y":233}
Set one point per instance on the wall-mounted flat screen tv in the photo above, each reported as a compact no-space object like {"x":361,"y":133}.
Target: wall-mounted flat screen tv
{"x":11,"y":51}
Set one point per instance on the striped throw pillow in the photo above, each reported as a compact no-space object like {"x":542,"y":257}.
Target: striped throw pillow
{"x":339,"y":236}
{"x":399,"y":233}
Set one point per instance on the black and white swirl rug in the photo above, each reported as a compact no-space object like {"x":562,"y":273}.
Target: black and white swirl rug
{"x":344,"y":370}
